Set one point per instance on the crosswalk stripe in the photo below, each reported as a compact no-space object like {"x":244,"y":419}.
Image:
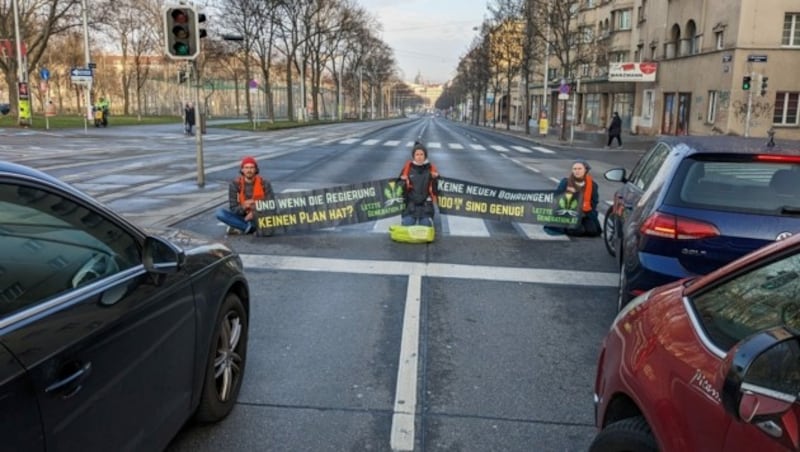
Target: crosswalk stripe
{"x":370,"y":142}
{"x":349,"y":141}
{"x":455,"y":146}
{"x":478,"y":147}
{"x":434,"y":145}
{"x":465,"y":226}
{"x":544,"y":150}
{"x":522,"y":149}
{"x":242,"y":138}
{"x":307,"y":140}
{"x":536,"y":232}
{"x":392,"y":143}
{"x":499,"y":148}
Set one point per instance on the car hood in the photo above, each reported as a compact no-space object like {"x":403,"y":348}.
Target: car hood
{"x":192,"y":243}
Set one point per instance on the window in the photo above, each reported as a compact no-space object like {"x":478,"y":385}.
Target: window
{"x":52,"y":245}
{"x":653,"y":52}
{"x":719,"y":40}
{"x":644,"y":173}
{"x":623,"y":19}
{"x":762,"y":298}
{"x":642,"y":13}
{"x":786,"y":109}
{"x":711,"y":114}
{"x":791,"y":30}
{"x":585,"y":70}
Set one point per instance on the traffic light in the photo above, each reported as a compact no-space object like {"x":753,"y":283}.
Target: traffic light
{"x":764,"y":81}
{"x":746,"y":82}
{"x":182,"y":40}
{"x":201,"y":25}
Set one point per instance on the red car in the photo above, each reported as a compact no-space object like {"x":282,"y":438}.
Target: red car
{"x":710,"y":363}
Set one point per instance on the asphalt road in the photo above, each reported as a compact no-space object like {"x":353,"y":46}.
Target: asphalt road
{"x":484,"y":340}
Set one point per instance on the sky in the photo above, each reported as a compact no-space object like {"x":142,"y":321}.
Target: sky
{"x":428,"y":37}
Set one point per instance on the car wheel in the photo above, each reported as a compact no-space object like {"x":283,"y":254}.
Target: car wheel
{"x":625,"y":435}
{"x":610,"y":231}
{"x":225,"y":363}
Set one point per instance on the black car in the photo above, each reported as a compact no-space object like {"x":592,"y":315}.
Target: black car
{"x":693,"y":204}
{"x":111,"y":338}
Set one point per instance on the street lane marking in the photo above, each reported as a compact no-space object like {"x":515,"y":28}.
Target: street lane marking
{"x":370,"y":142}
{"x":545,"y":150}
{"x":432,"y":269}
{"x":456,"y":146}
{"x":434,"y":145}
{"x":392,"y":143}
{"x":499,"y":148}
{"x":465,"y":227}
{"x":478,"y":147}
{"x":522,"y":149}
{"x":405,"y":396}
{"x":536,"y":232}
{"x":350,"y":141}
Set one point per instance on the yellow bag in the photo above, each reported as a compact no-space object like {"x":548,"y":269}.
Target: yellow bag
{"x":412,"y":234}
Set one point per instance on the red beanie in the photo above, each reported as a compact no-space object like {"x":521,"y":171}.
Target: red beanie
{"x":249,"y":160}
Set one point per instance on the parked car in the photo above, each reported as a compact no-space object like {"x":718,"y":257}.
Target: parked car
{"x":693,"y":204}
{"x":707,"y":363}
{"x":111,"y":337}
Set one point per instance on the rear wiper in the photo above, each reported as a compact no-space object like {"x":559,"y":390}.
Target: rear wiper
{"x":790,"y":210}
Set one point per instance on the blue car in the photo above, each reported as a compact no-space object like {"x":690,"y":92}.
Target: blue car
{"x":693,"y":204}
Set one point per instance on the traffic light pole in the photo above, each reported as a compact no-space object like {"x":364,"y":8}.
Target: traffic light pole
{"x":199,"y":115}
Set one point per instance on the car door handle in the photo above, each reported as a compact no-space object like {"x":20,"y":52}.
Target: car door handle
{"x":770,"y":428}
{"x":70,"y":385}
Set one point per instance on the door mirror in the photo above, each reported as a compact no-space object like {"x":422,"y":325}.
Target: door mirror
{"x":763,"y":377}
{"x":616,"y":175}
{"x":160,"y":256}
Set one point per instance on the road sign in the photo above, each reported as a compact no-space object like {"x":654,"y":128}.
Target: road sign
{"x":81,"y":75}
{"x":756,"y":58}
{"x":44,"y":74}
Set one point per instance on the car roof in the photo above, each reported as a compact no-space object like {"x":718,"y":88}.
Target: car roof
{"x":23,"y":171}
{"x":730,"y":144}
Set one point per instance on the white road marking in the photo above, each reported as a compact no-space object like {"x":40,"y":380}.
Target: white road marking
{"x":455,"y":146}
{"x":392,"y":143}
{"x":405,"y":396}
{"x":478,"y":147}
{"x":434,"y":145}
{"x":536,"y":232}
{"x":370,"y":142}
{"x":522,"y":149}
{"x":432,"y":269}
{"x":499,"y":148}
{"x":465,"y":226}
{"x":350,"y":141}
{"x":544,"y":150}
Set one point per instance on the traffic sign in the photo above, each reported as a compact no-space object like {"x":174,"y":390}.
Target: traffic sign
{"x":44,"y":74}
{"x":756,"y":58}
{"x":81,"y":75}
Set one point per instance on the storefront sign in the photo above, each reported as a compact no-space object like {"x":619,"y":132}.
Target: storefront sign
{"x":632,"y":72}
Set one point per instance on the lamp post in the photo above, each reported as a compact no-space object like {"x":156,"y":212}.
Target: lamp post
{"x":88,"y":89}
{"x":23,"y":108}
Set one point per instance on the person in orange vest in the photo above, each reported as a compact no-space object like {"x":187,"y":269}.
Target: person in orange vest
{"x":580,"y":182}
{"x":419,"y":178}
{"x":243,"y":192}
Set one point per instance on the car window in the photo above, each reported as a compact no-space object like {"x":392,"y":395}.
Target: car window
{"x":51,"y":245}
{"x":648,"y":171}
{"x":642,"y":162}
{"x":741,"y":186}
{"x":762,"y":298}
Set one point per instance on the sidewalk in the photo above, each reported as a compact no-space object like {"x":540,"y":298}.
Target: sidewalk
{"x":581,"y":140}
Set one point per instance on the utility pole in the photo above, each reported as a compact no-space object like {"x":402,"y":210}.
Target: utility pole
{"x":749,"y":107}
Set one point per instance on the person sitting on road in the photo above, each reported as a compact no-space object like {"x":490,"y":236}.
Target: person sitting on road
{"x":580,"y":182}
{"x":243,"y":192}
{"x":419,"y":177}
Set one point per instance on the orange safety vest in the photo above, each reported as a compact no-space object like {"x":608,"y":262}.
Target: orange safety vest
{"x":258,"y":188}
{"x":409,"y":185}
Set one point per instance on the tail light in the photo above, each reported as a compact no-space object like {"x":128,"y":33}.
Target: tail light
{"x":677,"y":228}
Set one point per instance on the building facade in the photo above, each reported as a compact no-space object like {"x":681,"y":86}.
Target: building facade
{"x":681,"y":67}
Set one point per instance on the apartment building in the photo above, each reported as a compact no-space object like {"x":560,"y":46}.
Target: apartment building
{"x":679,"y":67}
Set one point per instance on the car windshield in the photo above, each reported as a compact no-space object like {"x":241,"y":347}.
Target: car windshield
{"x":749,"y":186}
{"x":759,"y":299}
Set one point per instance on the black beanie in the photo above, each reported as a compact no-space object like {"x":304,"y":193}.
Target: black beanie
{"x":418,"y":145}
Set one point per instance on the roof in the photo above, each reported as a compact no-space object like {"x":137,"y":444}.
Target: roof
{"x":733,"y":144}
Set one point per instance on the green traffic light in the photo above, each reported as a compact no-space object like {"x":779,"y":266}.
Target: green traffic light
{"x":746,"y":83}
{"x":181,"y":49}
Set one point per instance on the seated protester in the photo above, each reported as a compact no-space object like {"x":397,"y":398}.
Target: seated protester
{"x":243,"y":192}
{"x":580,"y":182}
{"x":419,"y":176}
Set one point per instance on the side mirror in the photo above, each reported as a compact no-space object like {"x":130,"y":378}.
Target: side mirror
{"x":616,"y":175}
{"x":763,"y":375}
{"x":161,"y":256}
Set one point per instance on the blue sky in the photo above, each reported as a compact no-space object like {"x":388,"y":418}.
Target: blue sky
{"x":428,"y":36}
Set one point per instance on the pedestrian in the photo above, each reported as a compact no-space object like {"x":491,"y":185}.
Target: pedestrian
{"x":188,"y":118}
{"x":243,"y":192}
{"x":580,"y":182}
{"x":419,"y":179}
{"x":615,"y":130}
